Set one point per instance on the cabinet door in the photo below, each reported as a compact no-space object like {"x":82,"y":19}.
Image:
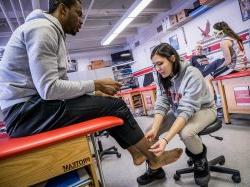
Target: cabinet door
{"x":104,"y":73}
{"x":82,"y":75}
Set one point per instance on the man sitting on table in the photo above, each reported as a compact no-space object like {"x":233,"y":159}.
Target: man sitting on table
{"x":36,"y":94}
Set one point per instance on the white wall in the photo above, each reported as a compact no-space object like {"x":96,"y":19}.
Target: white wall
{"x":84,"y":58}
{"x":92,"y":74}
{"x":228,"y":11}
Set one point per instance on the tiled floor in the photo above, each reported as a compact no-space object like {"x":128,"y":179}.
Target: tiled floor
{"x":120,"y":172}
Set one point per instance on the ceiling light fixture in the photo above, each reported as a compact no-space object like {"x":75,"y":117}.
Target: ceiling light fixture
{"x":126,"y":19}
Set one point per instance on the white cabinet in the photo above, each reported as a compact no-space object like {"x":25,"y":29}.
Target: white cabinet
{"x":123,"y":74}
{"x":104,"y":73}
{"x":92,"y":74}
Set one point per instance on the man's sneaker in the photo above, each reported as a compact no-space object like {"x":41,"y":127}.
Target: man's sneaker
{"x":151,"y":175}
{"x":220,"y":113}
{"x":218,"y":103}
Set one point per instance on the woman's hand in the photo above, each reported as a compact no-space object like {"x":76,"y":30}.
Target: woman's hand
{"x":150,"y":135}
{"x":159,"y":147}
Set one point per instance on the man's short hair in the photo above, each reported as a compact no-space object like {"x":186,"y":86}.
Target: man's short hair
{"x":53,"y":4}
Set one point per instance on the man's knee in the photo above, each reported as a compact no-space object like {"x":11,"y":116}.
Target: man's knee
{"x":120,"y":104}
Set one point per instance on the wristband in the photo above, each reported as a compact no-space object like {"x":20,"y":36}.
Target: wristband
{"x":165,"y":140}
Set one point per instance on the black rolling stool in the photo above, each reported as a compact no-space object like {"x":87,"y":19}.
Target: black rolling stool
{"x":216,"y":125}
{"x":108,"y":151}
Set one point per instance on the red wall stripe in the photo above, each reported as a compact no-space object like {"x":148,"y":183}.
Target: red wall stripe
{"x":143,"y":71}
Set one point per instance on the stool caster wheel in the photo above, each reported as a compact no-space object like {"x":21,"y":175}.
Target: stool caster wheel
{"x":236,"y":178}
{"x":190,"y":162}
{"x":222,"y":161}
{"x":118,"y":155}
{"x":177,"y":177}
{"x":115,"y":149}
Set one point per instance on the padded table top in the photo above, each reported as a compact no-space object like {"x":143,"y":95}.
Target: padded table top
{"x":12,"y":146}
{"x":234,"y":75}
{"x":141,"y":89}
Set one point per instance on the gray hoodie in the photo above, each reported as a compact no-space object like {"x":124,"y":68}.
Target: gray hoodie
{"x":35,"y":62}
{"x":187,"y":95}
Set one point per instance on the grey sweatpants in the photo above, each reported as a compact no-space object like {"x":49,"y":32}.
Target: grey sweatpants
{"x":189,"y":134}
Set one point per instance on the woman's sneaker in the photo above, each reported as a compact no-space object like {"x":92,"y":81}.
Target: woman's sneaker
{"x":201,"y":172}
{"x":151,"y":175}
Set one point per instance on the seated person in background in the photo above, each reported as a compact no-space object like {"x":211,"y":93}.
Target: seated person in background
{"x":233,"y":51}
{"x":200,"y":61}
{"x":36,"y":94}
{"x":183,"y":106}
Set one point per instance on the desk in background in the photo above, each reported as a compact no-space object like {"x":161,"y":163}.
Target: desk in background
{"x":140,"y":100}
{"x":235,"y":93}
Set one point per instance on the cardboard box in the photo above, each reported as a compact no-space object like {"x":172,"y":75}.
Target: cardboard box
{"x":97,"y":64}
{"x":204,"y":2}
{"x":182,"y":15}
{"x":196,"y":4}
{"x":173,"y":20}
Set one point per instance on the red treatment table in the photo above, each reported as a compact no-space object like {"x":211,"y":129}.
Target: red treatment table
{"x":29,"y":160}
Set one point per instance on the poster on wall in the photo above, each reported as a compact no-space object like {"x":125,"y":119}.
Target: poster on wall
{"x":245,"y":9}
{"x":242,"y":95}
{"x":173,"y":41}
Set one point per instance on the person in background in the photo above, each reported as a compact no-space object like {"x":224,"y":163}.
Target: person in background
{"x":233,"y":51}
{"x":183,"y":106}
{"x":36,"y":94}
{"x":200,"y":61}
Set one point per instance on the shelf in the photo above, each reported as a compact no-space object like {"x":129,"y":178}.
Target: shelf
{"x":123,"y":64}
{"x":194,"y":14}
{"x":121,"y":74}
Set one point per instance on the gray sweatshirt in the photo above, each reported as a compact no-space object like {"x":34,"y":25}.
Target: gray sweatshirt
{"x":35,"y":62}
{"x":187,"y":95}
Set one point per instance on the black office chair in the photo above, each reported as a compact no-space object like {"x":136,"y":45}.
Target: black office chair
{"x":216,"y":125}
{"x":108,"y":151}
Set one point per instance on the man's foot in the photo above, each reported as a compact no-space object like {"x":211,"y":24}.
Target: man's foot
{"x":139,"y":159}
{"x":166,"y":158}
{"x":137,"y":156}
{"x":151,"y":175}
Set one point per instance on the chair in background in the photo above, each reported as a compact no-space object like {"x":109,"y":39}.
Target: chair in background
{"x":108,"y":151}
{"x":216,"y":125}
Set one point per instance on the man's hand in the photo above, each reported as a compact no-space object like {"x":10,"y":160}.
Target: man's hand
{"x":99,"y":93}
{"x":107,"y":86}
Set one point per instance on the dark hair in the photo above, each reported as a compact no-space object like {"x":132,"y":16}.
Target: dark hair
{"x":53,"y":4}
{"x":227,"y":30}
{"x":165,"y":50}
